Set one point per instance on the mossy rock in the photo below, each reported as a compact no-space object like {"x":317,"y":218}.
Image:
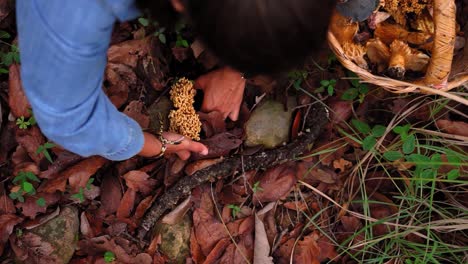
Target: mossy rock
{"x":269,"y":124}
{"x":175,"y":240}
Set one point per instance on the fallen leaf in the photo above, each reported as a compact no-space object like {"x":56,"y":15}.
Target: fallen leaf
{"x":195,"y":250}
{"x":7,"y":137}
{"x":180,"y":53}
{"x":26,"y":167}
{"x":220,"y":144}
{"x":380,"y":212}
{"x":453,"y":127}
{"x":208,"y":230}
{"x":31,"y":247}
{"x":262,"y":246}
{"x":20,"y":156}
{"x":212,"y":123}
{"x":307,"y":250}
{"x":176,"y":215}
{"x":217,"y":251}
{"x":341,"y":164}
{"x":128,"y":52}
{"x":30,"y":139}
{"x":341,"y":111}
{"x":139,"y":181}
{"x":119,"y":78}
{"x":135,"y":110}
{"x":31,"y":209}
{"x":19,"y":105}
{"x":275,"y":183}
{"x":296,"y":205}
{"x":126,"y":204}
{"x":110,"y":199}
{"x":324,"y":175}
{"x":7,"y":223}
{"x":78,"y":175}
{"x":85,"y":227}
{"x":141,"y":209}
{"x":64,"y":160}
{"x":6,"y":204}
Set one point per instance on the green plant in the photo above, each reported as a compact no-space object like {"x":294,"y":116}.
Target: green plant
{"x":358,"y":90}
{"x":24,"y":124}
{"x":44,"y":149}
{"x":370,"y":140}
{"x":9,"y":57}
{"x":181,"y":42}
{"x":41,"y":202}
{"x":109,"y":257}
{"x":256,"y":187}
{"x":235,"y":209}
{"x":159,"y":33}
{"x":327,"y":84}
{"x":298,"y":77}
{"x":23,"y":180}
{"x":80,"y":195}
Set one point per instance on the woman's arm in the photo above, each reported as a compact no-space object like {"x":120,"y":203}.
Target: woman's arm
{"x":63,"y":46}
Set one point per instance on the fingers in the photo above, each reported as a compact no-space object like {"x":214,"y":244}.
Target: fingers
{"x":183,"y":154}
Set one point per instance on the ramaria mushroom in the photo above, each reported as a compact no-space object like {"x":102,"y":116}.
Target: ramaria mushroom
{"x":378,"y":54}
{"x":404,"y":58}
{"x":343,"y":28}
{"x":355,"y":53}
{"x":388,"y":32}
{"x":184,"y":120}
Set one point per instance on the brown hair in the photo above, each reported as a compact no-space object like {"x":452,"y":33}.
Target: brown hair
{"x":254,"y":36}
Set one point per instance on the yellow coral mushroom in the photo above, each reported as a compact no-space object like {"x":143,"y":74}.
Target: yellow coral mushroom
{"x":184,"y":120}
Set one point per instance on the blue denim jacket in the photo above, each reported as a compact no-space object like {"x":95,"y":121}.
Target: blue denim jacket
{"x":63,"y":48}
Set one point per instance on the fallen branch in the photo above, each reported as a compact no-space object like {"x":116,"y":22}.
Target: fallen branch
{"x":316,"y":119}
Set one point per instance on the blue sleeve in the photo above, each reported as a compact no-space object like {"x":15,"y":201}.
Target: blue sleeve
{"x":63,"y":48}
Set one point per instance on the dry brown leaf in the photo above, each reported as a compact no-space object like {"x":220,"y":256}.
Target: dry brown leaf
{"x":26,"y":167}
{"x":217,"y":251}
{"x":85,"y":227}
{"x":6,"y":204}
{"x":139,"y":181}
{"x":276,"y":183}
{"x":176,"y":215}
{"x":180,"y":53}
{"x":126,"y":204}
{"x":7,"y":223}
{"x":119,"y":78}
{"x":212,"y":123}
{"x":341,"y":164}
{"x":78,"y":174}
{"x":64,"y":160}
{"x":30,"y":139}
{"x":128,"y":52}
{"x":341,"y":111}
{"x":220,"y":144}
{"x":453,"y":127}
{"x":296,"y":206}
{"x":136,"y":111}
{"x":307,"y":250}
{"x":195,"y":250}
{"x":208,"y":230}
{"x":110,"y":199}
{"x":31,"y":209}
{"x":262,"y":246}
{"x":19,"y":105}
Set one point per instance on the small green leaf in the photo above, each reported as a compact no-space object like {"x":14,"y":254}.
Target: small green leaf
{"x":143,"y":21}
{"x":409,"y":144}
{"x":355,"y":82}
{"x":40,"y":149}
{"x":297,"y":84}
{"x":426,"y":176}
{"x":235,"y":209}
{"x":3,"y":71}
{"x":436,"y":161}
{"x":350,"y":94}
{"x":4,"y":34}
{"x":41,"y":202}
{"x":49,"y":145}
{"x":363,"y":89}
{"x":79,"y":196}
{"x":109,"y":256}
{"x":8,"y":59}
{"x":48,"y":157}
{"x":184,"y":43}
{"x":368,"y":143}
{"x":162,"y":38}
{"x":453,"y":174}
{"x":27,"y":187}
{"x":31,"y":176}
{"x":324,"y":82}
{"x":32,"y":120}
{"x":402,"y":129}
{"x":378,"y":130}
{"x":361,"y":126}
{"x":89,"y":183}
{"x":393,"y":155}
{"x":330,"y":90}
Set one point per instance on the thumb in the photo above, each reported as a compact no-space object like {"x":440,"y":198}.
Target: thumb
{"x":197,"y":148}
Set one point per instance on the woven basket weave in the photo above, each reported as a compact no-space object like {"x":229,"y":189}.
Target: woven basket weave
{"x":438,"y":78}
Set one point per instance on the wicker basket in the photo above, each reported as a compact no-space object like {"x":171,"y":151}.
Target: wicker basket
{"x":438,"y":79}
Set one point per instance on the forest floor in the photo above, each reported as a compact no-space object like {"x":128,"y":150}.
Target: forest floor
{"x":385,"y":181}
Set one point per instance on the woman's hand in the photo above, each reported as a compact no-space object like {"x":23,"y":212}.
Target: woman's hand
{"x":224,"y":89}
{"x":152,"y":146}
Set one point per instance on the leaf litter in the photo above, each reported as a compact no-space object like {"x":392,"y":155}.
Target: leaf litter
{"x":258,"y":216}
